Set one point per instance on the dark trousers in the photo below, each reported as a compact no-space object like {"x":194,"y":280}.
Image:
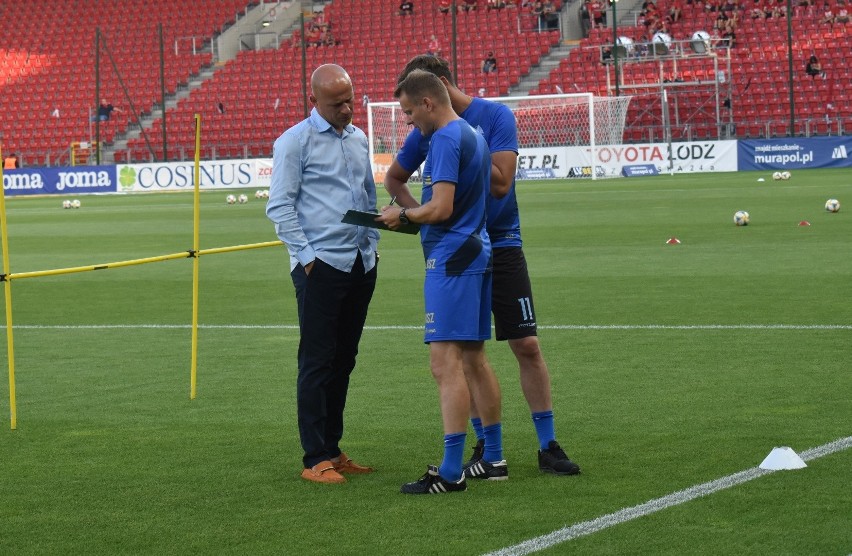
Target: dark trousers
{"x":332,"y":311}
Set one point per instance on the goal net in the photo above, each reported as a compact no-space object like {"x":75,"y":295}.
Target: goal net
{"x":558,"y":135}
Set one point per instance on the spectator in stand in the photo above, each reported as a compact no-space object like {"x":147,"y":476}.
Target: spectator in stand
{"x":647,"y":13}
{"x":106,"y":109}
{"x":11,"y":162}
{"x":650,"y":16}
{"x":721,"y":22}
{"x":537,"y":9}
{"x":675,"y":12}
{"x":406,"y":8}
{"x":313,"y":37}
{"x":596,"y":11}
{"x":585,"y":17}
{"x":549,"y":15}
{"x":640,"y":47}
{"x":319,"y":20}
{"x":434,"y":48}
{"x":444,"y":6}
{"x":606,"y":55}
{"x":467,"y":6}
{"x":734,"y":18}
{"x":814,"y":67}
{"x":827,"y":14}
{"x":328,"y":39}
{"x":842,"y":14}
{"x":489,"y":65}
{"x":728,"y":34}
{"x":495,"y":5}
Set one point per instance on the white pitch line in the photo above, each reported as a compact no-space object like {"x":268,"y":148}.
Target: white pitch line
{"x":652,"y":506}
{"x":698,"y":327}
{"x":420,"y":327}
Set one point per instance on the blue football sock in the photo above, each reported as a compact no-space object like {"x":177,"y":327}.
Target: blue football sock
{"x":477,"y":427}
{"x":451,"y":468}
{"x":493,"y":443}
{"x":543,"y":421}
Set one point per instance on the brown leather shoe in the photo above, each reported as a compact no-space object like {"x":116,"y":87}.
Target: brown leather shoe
{"x":346,"y":465}
{"x":323,"y":472}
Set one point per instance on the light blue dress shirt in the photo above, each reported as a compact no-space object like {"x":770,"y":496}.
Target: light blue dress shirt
{"x":317,"y":175}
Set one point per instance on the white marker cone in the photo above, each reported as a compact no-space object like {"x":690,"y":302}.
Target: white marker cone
{"x":783,"y":458}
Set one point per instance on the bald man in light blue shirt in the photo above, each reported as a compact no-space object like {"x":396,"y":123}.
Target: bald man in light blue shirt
{"x":318,"y":174}
{"x":320,"y":169}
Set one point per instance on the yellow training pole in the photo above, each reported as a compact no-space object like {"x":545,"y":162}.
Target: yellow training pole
{"x":133,"y":262}
{"x":214,"y":250}
{"x":102,"y":266}
{"x":10,"y":340}
{"x":196,"y":217}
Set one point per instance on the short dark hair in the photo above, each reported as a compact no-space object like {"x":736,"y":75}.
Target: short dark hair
{"x":420,"y":84}
{"x":427,"y":62}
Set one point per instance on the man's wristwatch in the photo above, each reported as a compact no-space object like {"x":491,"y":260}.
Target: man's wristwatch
{"x":403,"y":219}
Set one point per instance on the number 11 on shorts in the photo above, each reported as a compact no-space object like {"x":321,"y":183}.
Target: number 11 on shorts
{"x":526,"y":308}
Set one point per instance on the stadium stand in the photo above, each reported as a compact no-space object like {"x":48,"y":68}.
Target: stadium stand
{"x":47,"y":65}
{"x":262,"y":92}
{"x":47,"y":73}
{"x":760,"y":96}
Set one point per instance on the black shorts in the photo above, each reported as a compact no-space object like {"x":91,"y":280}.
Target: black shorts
{"x":511,"y":297}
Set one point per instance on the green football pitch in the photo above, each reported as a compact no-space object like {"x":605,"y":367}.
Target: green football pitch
{"x":672,"y":365}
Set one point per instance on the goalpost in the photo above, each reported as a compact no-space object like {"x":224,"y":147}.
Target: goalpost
{"x":558,"y":135}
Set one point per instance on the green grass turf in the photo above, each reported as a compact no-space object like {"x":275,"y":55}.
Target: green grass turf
{"x":110,"y":455}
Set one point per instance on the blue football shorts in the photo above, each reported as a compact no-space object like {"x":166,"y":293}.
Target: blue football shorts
{"x":458,"y":308}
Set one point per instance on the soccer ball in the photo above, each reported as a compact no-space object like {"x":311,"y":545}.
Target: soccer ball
{"x":832,"y":205}
{"x":258,"y":194}
{"x":741,"y":218}
{"x":265,"y":193}
{"x":785,"y":175}
{"x":75,"y":204}
{"x":66,"y":204}
{"x":776,"y":176}
{"x":230,"y":199}
{"x":243,"y":199}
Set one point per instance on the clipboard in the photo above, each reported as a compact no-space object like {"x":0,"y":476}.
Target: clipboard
{"x":361,"y":218}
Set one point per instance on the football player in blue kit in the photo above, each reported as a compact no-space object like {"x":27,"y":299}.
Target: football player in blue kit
{"x":457,"y":253}
{"x":512,"y":301}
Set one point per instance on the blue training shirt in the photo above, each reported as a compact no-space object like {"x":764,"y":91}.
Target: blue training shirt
{"x":460,"y":245}
{"x":497,"y":124}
